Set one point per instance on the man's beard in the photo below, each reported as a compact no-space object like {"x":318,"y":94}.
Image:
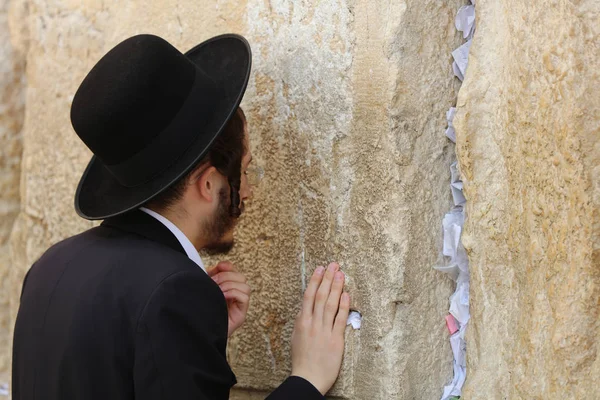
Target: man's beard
{"x":221,"y":224}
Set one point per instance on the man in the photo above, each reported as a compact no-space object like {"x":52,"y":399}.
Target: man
{"x":126,"y":310}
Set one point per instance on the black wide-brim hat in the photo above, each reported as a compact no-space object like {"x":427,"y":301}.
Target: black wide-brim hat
{"x":150,"y":113}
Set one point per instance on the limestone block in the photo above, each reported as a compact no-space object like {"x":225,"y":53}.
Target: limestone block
{"x":11,"y":121}
{"x":528,"y":131}
{"x":346,"y":109}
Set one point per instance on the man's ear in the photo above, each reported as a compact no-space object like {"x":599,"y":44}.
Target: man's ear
{"x":207,"y":183}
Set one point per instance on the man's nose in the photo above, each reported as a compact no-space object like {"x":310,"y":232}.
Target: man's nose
{"x":246,"y":193}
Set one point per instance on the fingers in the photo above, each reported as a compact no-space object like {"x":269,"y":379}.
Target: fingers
{"x":323,"y":291}
{"x":243,"y":299}
{"x":311,"y":291}
{"x":223,"y":266}
{"x":318,"y":336}
{"x":232,"y":283}
{"x":239,"y":286}
{"x":342,"y":315}
{"x":221,"y":277}
{"x":333,"y":301}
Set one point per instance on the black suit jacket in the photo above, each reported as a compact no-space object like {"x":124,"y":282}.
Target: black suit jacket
{"x":120,"y":312}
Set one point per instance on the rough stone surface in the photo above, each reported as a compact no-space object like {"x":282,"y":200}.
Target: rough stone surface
{"x":346,"y":109}
{"x":11,"y":120}
{"x":528,"y":129}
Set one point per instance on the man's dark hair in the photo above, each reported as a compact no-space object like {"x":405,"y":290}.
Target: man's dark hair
{"x":225,"y":154}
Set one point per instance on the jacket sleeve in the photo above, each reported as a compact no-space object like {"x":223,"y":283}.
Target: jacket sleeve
{"x":181,"y":339}
{"x":180,"y":349}
{"x":296,"y":388}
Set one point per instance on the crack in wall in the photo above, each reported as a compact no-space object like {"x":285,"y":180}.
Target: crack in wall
{"x":456,"y":263}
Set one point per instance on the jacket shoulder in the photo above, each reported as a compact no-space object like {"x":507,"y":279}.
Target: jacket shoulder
{"x":110,"y":261}
{"x":108,"y":245}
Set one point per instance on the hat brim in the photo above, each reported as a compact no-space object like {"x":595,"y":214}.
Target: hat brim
{"x":226,"y":59}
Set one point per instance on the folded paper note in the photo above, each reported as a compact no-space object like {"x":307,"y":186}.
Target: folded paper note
{"x":456,"y":185}
{"x":450,"y":133}
{"x":465,"y":20}
{"x":354,"y":319}
{"x":461,"y":60}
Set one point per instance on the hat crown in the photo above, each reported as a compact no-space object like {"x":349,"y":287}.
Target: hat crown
{"x":130,"y":96}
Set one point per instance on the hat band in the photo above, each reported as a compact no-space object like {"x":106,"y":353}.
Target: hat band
{"x":166,"y":148}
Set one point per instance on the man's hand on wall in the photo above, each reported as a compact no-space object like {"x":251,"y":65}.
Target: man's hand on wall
{"x":236,"y":292}
{"x":318,"y":338}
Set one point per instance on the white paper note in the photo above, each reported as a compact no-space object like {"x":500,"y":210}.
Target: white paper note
{"x":459,"y":349}
{"x":465,"y":20}
{"x":459,"y":301}
{"x":450,"y":133}
{"x":457,"y":72}
{"x":455,"y":388}
{"x":456,"y":185}
{"x":354,"y":319}
{"x":452,"y":226}
{"x":461,"y":59}
{"x":451,"y":246}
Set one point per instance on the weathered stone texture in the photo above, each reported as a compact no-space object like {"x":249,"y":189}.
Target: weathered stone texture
{"x":346,"y":108}
{"x":11,"y":120}
{"x":528,"y":128}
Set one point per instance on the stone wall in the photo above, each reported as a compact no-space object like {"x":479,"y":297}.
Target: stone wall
{"x":528,"y":129}
{"x":346,"y":109}
{"x":11,"y":121}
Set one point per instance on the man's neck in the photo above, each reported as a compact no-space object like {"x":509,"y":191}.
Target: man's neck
{"x":184,"y":223}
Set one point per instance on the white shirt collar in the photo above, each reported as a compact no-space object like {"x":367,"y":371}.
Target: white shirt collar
{"x":189,"y":248}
